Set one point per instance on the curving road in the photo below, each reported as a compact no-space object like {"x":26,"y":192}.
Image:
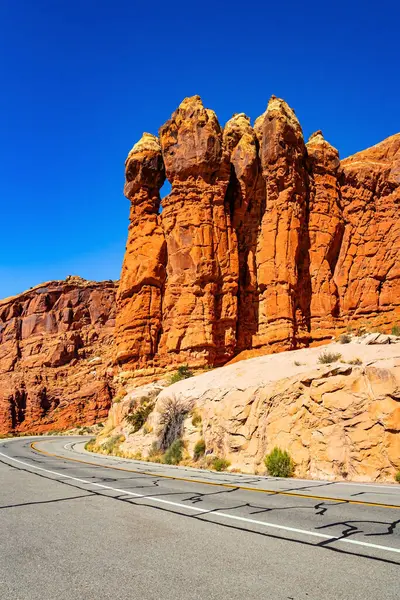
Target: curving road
{"x":81,"y":526}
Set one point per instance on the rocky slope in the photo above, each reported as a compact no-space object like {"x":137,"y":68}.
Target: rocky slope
{"x":55,"y":348}
{"x":338,"y":420}
{"x":265,"y":243}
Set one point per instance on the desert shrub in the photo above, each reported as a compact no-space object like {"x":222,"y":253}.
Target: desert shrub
{"x":329,"y":357}
{"x":183,"y":372}
{"x":396,"y":330}
{"x":120,"y":395}
{"x":173,"y":455}
{"x":345,"y":338}
{"x":355,"y":361}
{"x":112,"y":445}
{"x":297,"y":363}
{"x":199,"y":449}
{"x":91,"y":445}
{"x":155,"y":454}
{"x":220,"y":464}
{"x":196,"y":419}
{"x":397,"y":477}
{"x":172,"y":416}
{"x":140,"y":416}
{"x":279,"y":463}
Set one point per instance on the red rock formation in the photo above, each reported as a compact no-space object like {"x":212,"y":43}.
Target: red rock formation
{"x":263,"y":244}
{"x":139,"y":318}
{"x":368,"y":270}
{"x":200,"y":298}
{"x":325,"y":227}
{"x":264,"y":239}
{"x":282,"y":253}
{"x":55,"y":347}
{"x":246,"y":195}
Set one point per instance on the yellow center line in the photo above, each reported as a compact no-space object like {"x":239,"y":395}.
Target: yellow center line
{"x":226,"y":485}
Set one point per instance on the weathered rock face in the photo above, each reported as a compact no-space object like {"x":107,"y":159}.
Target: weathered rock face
{"x":325,"y":227}
{"x":368,"y":271}
{"x":265,"y":243}
{"x":338,"y":421}
{"x":55,"y":348}
{"x":282,"y":252}
{"x":200,"y":297}
{"x":139,"y":316}
{"x":246,"y":197}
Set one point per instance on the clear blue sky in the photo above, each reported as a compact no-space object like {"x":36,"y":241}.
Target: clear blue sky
{"x":82,"y":79}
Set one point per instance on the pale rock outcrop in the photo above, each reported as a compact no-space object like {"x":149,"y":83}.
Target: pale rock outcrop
{"x":338,"y":421}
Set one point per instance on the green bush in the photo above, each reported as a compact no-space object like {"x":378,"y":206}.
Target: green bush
{"x":173,"y":413}
{"x":155,"y":454}
{"x":196,"y":419}
{"x":396,"y":330}
{"x":329,"y":357}
{"x":90,"y":445}
{"x":173,"y":455}
{"x":397,"y":477}
{"x":199,"y":449}
{"x":183,"y":372}
{"x":279,"y":463}
{"x":112,"y":444}
{"x":345,"y":338}
{"x":140,"y":416}
{"x":220,"y":464}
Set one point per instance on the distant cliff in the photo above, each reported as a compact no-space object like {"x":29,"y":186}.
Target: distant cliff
{"x":265,"y":243}
{"x":55,"y":347}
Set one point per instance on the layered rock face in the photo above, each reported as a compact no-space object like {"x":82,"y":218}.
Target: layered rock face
{"x":55,"y":349}
{"x":265,"y":243}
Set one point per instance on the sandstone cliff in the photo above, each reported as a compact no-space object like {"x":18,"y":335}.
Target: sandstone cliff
{"x":55,"y":347}
{"x":338,"y":421}
{"x":264,"y":244}
{"x":367,"y":274}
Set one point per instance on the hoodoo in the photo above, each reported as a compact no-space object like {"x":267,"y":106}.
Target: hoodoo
{"x":265,"y":243}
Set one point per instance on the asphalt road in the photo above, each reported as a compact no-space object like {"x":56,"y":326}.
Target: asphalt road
{"x":118,"y":529}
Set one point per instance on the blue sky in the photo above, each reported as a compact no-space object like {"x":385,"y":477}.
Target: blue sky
{"x":82,"y":79}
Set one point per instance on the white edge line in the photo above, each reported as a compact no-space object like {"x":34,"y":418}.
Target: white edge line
{"x":294,"y":481}
{"x":212,"y":512}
